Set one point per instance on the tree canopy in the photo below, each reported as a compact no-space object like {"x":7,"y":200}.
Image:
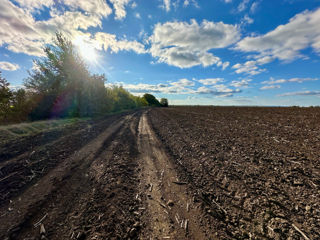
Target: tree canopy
{"x":151,"y":100}
{"x":164,"y":102}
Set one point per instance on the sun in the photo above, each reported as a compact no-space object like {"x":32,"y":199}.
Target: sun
{"x":86,"y":49}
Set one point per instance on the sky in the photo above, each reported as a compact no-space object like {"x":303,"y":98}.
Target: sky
{"x":217,"y":52}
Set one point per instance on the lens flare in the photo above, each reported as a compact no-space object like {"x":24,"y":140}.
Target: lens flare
{"x":86,"y":49}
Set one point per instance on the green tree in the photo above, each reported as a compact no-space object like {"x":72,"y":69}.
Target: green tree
{"x":20,"y":105}
{"x":5,"y":98}
{"x":151,"y":100}
{"x":141,"y":102}
{"x":120,"y":98}
{"x":63,"y":84}
{"x":164,"y":102}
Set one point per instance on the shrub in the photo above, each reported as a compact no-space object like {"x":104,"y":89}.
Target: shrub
{"x":164,"y":102}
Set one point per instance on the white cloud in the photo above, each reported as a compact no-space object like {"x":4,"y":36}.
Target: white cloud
{"x":166,"y":5}
{"x":93,"y":7}
{"x":193,"y":2}
{"x":248,"y":67}
{"x":227,"y":1}
{"x":7,"y":66}
{"x":302,"y":93}
{"x":183,"y":83}
{"x":298,"y":80}
{"x":220,"y":90}
{"x":133,"y":5}
{"x":242,"y":83}
{"x":32,"y":5}
{"x":181,"y":86}
{"x":270,"y":87}
{"x":119,"y":7}
{"x":243,"y":5}
{"x":109,"y":41}
{"x":252,"y":67}
{"x":254,"y":6}
{"x":286,"y":41}
{"x":20,"y":32}
{"x":97,"y":7}
{"x":186,"y":45}
{"x":210,"y":81}
{"x":137,"y":15}
{"x":246,"y":20}
{"x":224,"y":65}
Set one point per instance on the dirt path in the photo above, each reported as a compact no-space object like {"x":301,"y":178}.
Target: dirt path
{"x":69,"y":194}
{"x":171,"y":212}
{"x":119,"y":183}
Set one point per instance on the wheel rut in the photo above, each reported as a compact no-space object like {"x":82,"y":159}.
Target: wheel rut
{"x":170,"y":211}
{"x":64,"y":199}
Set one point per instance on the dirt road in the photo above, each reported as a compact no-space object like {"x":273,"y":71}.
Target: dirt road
{"x":171,"y":212}
{"x":112,"y":180}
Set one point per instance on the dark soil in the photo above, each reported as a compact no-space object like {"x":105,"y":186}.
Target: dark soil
{"x":36,"y":159}
{"x":166,"y":173}
{"x":260,"y":165}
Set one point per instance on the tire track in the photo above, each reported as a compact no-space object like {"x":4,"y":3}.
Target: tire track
{"x":171,"y":212}
{"x":54,"y":194}
{"x":20,"y":172}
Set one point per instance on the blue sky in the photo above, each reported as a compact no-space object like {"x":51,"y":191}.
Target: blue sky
{"x":221,"y":52}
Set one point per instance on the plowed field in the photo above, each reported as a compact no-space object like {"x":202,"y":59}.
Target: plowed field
{"x":166,"y":173}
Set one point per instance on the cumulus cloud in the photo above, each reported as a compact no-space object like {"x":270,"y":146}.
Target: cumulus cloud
{"x":32,"y":5}
{"x":286,"y":41}
{"x":224,"y":65}
{"x":166,"y":5}
{"x":242,"y":83}
{"x":185,"y":45}
{"x":243,"y":5}
{"x":218,"y":90}
{"x":270,"y":87}
{"x":183,"y":83}
{"x":98,"y":7}
{"x":279,"y":81}
{"x":119,"y":7}
{"x":20,"y":32}
{"x":210,"y":81}
{"x":246,"y":20}
{"x":181,"y":86}
{"x":7,"y":66}
{"x":302,"y":93}
{"x":93,"y":7}
{"x":248,"y":67}
{"x":193,"y":2}
{"x":252,"y":67}
{"x":110,"y":41}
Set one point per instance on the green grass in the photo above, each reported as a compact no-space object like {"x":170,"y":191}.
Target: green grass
{"x":14,"y":131}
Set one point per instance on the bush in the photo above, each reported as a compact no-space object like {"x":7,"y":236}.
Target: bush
{"x":151,"y":100}
{"x":164,"y":102}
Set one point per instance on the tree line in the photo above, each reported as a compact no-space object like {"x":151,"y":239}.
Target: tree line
{"x":60,"y":85}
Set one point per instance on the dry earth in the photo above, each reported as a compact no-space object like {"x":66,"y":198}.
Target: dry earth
{"x":170,"y":173}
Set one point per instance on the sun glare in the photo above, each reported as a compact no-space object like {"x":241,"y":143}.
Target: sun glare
{"x":86,"y":49}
